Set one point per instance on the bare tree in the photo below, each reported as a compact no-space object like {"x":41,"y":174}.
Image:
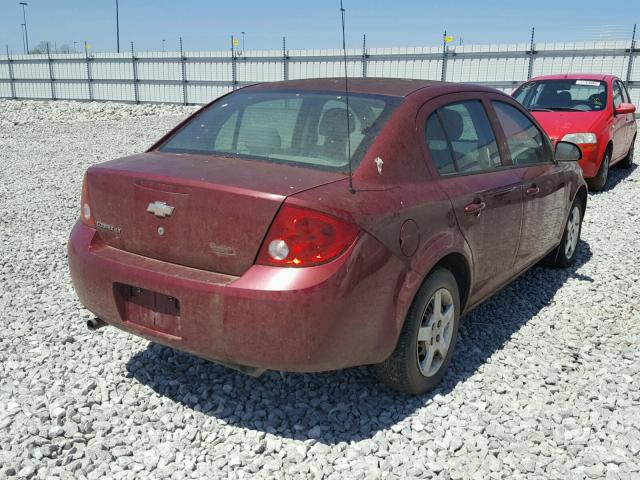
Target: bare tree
{"x":41,"y":47}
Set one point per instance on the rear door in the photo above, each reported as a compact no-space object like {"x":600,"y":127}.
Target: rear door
{"x":544,"y":184}
{"x":486,"y":196}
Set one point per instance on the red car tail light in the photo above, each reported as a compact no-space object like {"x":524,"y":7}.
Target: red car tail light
{"x":300,"y":237}
{"x":86,"y":216}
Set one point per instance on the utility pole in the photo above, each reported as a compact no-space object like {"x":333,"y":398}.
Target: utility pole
{"x":24,"y":19}
{"x":117,"y":27}
{"x":24,"y":45}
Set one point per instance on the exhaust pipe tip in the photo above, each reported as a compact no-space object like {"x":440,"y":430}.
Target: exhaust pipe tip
{"x":94,"y":324}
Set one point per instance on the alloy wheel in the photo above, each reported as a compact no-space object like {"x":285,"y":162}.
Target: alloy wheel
{"x":573,"y":232}
{"x":435,"y":333}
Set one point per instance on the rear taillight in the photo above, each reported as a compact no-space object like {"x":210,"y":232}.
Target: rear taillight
{"x":300,"y":237}
{"x":86,"y":216}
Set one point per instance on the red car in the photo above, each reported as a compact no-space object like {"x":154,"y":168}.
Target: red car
{"x":593,"y":111}
{"x":241,"y":237}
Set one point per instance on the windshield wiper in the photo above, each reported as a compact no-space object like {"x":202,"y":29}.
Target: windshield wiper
{"x":567,"y":109}
{"x":540,"y":109}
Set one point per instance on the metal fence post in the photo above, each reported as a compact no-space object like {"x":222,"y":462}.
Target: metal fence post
{"x":285,"y":60}
{"x":364,"y":55}
{"x":632,"y":52}
{"x":134,"y":65}
{"x":443,"y":75}
{"x":531,"y":54}
{"x":51,"y":79}
{"x":234,"y":71}
{"x":12,"y":80}
{"x":87,"y":60}
{"x":183,"y":69}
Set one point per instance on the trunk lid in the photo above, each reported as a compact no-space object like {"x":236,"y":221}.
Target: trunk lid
{"x":205,"y":212}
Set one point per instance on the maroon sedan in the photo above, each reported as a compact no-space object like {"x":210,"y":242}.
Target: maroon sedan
{"x":238,"y":236}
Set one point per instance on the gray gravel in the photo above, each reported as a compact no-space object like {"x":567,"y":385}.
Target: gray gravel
{"x":545,"y":381}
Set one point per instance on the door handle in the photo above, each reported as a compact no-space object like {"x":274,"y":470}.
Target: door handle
{"x":474,"y":208}
{"x":504,"y":192}
{"x":533,"y":190}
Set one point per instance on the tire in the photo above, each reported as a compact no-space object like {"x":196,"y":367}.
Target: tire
{"x":627,"y":161}
{"x":567,"y":251}
{"x":598,"y":182}
{"x":424,"y":336}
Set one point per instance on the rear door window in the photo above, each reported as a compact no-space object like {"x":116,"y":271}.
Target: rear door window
{"x":438,"y":145}
{"x":460,"y":139}
{"x":525,"y":142}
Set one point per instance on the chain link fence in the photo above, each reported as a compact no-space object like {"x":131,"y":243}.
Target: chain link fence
{"x":189,"y":77}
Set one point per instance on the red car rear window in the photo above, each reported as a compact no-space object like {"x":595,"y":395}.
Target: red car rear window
{"x":299,"y":127}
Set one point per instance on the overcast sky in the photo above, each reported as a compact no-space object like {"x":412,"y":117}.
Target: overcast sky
{"x":207,"y":25}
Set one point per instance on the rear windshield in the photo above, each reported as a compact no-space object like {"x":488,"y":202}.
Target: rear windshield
{"x":563,"y":95}
{"x":298,"y":127}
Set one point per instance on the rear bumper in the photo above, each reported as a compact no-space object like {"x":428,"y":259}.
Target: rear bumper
{"x":332,"y":316}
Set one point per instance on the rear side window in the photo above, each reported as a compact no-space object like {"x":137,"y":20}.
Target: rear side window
{"x":438,"y":145}
{"x":460,"y":139}
{"x":524,"y":141}
{"x":298,"y":127}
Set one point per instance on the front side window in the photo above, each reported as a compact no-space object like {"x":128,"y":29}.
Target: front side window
{"x":524,"y":141}
{"x":460,"y":139}
{"x":625,"y":93}
{"x":564,"y":95}
{"x":297,"y":127}
{"x":617,"y":94}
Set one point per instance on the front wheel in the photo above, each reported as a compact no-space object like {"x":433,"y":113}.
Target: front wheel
{"x":567,"y":251}
{"x":424,"y":349}
{"x":598,"y":182}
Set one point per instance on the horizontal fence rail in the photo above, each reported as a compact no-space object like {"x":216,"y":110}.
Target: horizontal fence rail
{"x":188,"y":78}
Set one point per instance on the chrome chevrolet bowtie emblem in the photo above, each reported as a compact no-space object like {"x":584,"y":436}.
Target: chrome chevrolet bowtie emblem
{"x":160,"y":209}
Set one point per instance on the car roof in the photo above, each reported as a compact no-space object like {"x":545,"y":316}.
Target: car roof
{"x":576,"y":76}
{"x":398,"y":87}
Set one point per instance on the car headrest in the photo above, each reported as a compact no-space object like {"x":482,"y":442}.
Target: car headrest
{"x":264,"y":141}
{"x":549,"y":97}
{"x":452,"y":122}
{"x":334,"y":123}
{"x":564,"y":99}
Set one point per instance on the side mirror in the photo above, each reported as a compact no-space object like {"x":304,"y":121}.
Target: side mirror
{"x":568,"y":152}
{"x":625,"y":108}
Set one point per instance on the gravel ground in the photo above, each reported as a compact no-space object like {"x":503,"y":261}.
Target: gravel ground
{"x":545,"y":380}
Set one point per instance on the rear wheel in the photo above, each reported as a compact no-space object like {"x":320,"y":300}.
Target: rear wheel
{"x":567,"y":251}
{"x":627,"y":161}
{"x":598,"y":182}
{"x":427,"y":340}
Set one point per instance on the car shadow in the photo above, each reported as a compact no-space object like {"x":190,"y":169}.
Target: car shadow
{"x":617,"y":175}
{"x":346,"y":405}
